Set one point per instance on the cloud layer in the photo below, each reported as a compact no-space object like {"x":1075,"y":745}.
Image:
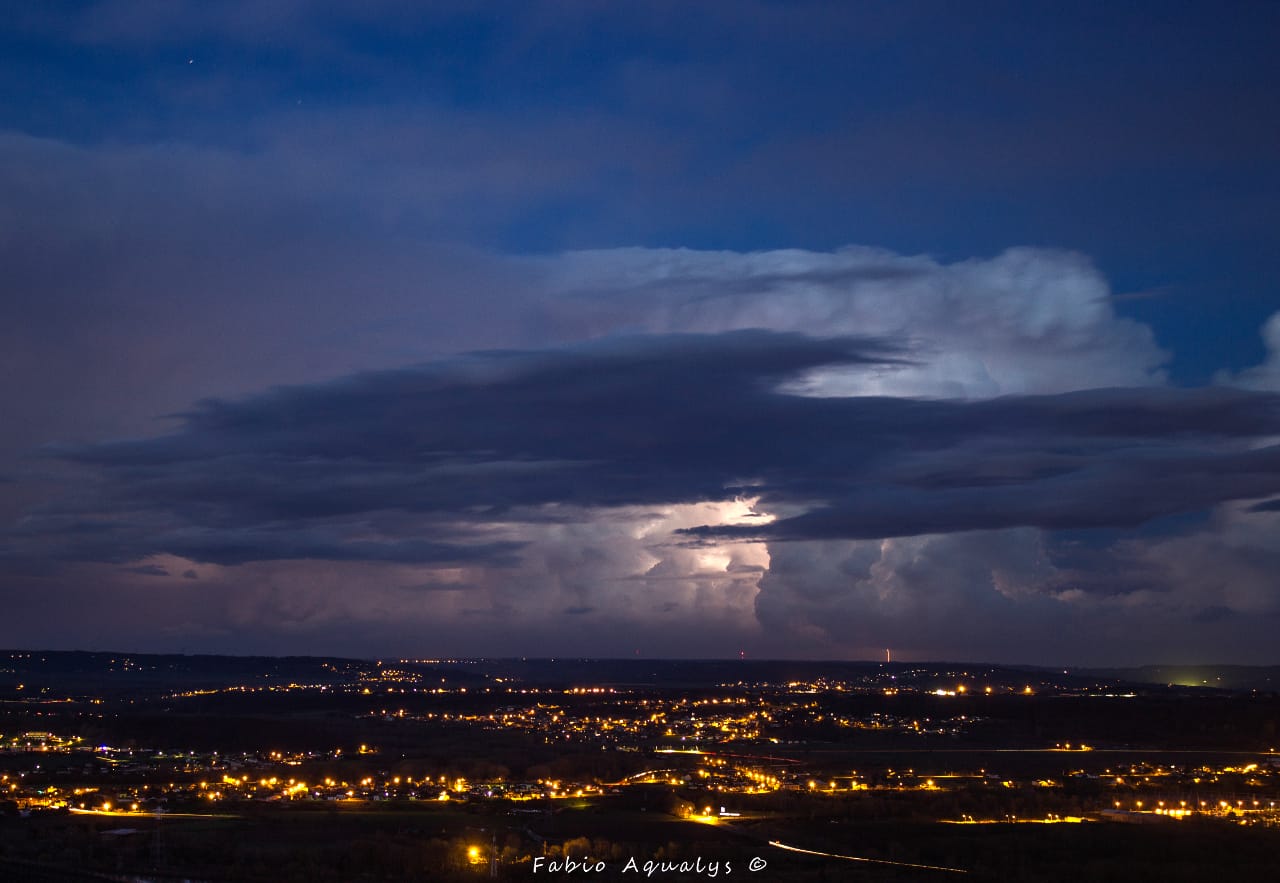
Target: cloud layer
{"x":355,"y":469}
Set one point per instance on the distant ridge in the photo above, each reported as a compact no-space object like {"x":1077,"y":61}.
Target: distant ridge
{"x":1223,"y":677}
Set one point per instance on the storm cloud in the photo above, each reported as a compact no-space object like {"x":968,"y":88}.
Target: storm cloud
{"x":792,"y":328}
{"x":415,"y":465}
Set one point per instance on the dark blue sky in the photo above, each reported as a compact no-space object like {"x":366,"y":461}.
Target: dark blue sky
{"x":1031,"y":199}
{"x":1143,"y":135}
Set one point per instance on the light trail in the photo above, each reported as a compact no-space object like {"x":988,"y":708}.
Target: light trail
{"x":858,"y":858}
{"x":145,"y":814}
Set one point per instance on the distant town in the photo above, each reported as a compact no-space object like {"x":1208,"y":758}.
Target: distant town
{"x":145,"y":767}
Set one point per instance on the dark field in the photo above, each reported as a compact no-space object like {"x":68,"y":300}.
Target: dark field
{"x":359,"y":843}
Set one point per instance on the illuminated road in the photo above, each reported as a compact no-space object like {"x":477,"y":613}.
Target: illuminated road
{"x":141,"y":814}
{"x":858,"y":858}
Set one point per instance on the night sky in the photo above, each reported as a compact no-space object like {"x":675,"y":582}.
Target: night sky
{"x":671,"y":329}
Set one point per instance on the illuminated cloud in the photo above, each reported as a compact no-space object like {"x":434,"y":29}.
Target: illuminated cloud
{"x":652,"y":481}
{"x":1027,"y":320}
